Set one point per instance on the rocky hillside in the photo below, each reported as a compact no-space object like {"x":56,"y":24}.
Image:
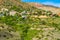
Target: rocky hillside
{"x":14,"y":3}
{"x":22,"y":21}
{"x":46,"y":7}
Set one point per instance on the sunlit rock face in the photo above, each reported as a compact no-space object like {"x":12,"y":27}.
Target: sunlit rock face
{"x":12,"y":13}
{"x":36,"y":4}
{"x":4,"y":9}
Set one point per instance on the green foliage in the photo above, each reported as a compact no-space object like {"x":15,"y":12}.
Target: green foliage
{"x":18,"y":9}
{"x":30,"y":27}
{"x":24,"y":25}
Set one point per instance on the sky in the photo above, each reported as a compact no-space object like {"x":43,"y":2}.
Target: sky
{"x":46,"y":2}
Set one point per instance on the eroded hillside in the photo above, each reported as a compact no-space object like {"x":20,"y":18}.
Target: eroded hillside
{"x":47,"y":8}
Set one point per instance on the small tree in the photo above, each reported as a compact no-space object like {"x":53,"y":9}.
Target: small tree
{"x":48,"y":13}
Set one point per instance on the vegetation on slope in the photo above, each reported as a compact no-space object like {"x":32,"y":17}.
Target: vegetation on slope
{"x":28,"y":24}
